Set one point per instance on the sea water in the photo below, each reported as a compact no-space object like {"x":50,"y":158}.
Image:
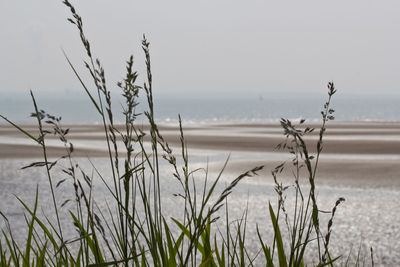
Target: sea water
{"x":368,"y":217}
{"x":209,"y":108}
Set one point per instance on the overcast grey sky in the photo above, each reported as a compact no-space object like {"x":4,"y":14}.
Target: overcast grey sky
{"x":207,"y":46}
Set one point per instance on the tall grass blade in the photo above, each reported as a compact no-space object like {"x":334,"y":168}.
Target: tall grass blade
{"x":278,"y":237}
{"x":28,"y":245}
{"x":82,"y":83}
{"x":21,"y":130}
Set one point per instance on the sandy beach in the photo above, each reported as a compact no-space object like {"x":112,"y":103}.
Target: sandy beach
{"x":357,"y":138}
{"x":355,"y":154}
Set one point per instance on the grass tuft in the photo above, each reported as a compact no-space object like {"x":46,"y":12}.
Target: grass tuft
{"x":134,"y":230}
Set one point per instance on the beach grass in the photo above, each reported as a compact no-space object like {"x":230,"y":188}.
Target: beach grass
{"x":134,"y":230}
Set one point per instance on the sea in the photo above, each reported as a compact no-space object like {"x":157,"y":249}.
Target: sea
{"x":208,"y":108}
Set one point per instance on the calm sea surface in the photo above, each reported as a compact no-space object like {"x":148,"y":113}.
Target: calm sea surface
{"x":198,"y":109}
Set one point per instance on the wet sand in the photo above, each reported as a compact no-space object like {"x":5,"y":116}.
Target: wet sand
{"x":14,"y":151}
{"x":357,"y":138}
{"x":354,"y":154}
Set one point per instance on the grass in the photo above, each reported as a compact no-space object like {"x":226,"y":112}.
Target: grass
{"x":134,"y":229}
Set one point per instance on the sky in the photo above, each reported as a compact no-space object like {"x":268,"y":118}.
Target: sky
{"x":206,"y":47}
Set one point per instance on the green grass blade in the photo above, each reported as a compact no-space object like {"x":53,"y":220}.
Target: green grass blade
{"x":114,"y":262}
{"x":207,"y":262}
{"x":329,"y":262}
{"x":3,"y":258}
{"x":21,"y":130}
{"x":266,"y":250}
{"x":82,"y":83}
{"x":279,"y":243}
{"x":41,"y":257}
{"x":91,"y":242}
{"x":42,"y":226}
{"x":27,"y":254}
{"x":188,"y":234}
{"x":220,"y":256}
{"x":13,"y":256}
{"x":173,"y":249}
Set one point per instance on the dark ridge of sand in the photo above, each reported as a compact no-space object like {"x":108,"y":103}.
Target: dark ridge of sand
{"x":259,"y":144}
{"x":10,"y":151}
{"x":368,"y":132}
{"x":334,"y":124}
{"x":77,"y":128}
{"x":227,"y":143}
{"x":263,"y":144}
